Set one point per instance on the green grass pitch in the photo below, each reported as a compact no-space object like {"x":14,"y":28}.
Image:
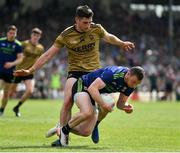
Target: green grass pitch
{"x":152,"y":127}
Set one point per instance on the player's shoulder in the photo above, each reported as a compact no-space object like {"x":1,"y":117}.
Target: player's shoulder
{"x":40,"y":46}
{"x":96,"y":25}
{"x":122,"y":69}
{"x":67,"y":31}
{"x":25,"y":42}
{"x":18,"y":42}
{"x":116,"y":69}
{"x":3,"y":38}
{"x":109,"y":69}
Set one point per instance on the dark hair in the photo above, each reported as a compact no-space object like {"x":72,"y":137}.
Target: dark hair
{"x":138,"y":71}
{"x":36,"y":30}
{"x":84,"y":11}
{"x":11,"y":27}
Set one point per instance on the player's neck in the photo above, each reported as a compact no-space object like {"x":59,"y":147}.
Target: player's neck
{"x":10,"y":40}
{"x":33,"y":42}
{"x":126,"y":78}
{"x":78,"y":29}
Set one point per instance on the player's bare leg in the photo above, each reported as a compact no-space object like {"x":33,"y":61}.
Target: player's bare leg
{"x":95,"y":133}
{"x":29,"y":84}
{"x":5,"y":97}
{"x":12,"y":89}
{"x":86,"y":113}
{"x":86,"y":109}
{"x":65,"y":112}
{"x":86,"y":127}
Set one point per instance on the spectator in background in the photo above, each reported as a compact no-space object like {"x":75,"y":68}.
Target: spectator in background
{"x":177,"y":90}
{"x":152,"y":74}
{"x":10,"y":56}
{"x":55,"y":83}
{"x":41,"y":86}
{"x":169,"y":82}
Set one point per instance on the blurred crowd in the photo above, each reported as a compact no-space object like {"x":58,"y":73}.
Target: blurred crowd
{"x":149,"y":33}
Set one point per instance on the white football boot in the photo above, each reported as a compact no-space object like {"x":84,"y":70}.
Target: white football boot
{"x":52,"y":131}
{"x":64,"y":139}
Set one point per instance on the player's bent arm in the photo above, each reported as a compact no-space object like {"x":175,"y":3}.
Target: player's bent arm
{"x":123,"y":105}
{"x":18,"y":60}
{"x":95,"y":94}
{"x":121,"y":101}
{"x":44,"y":58}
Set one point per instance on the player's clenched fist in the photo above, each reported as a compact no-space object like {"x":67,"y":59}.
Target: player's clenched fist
{"x":21,"y":72}
{"x":128,"y":108}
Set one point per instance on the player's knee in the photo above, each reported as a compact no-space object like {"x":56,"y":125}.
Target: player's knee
{"x":87,"y":115}
{"x":30,"y":91}
{"x":83,"y":116}
{"x":5,"y":94}
{"x":86,"y":132}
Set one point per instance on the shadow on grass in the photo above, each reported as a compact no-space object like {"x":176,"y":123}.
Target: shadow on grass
{"x":85,"y":147}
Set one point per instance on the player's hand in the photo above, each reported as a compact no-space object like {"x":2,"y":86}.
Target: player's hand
{"x":8,"y":65}
{"x":108,"y":107}
{"x":21,"y":72}
{"x":128,"y":46}
{"x":128,"y":108}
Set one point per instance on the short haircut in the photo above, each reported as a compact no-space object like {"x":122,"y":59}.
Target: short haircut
{"x":137,"y":71}
{"x":36,"y":30}
{"x":11,"y":27}
{"x":84,"y":11}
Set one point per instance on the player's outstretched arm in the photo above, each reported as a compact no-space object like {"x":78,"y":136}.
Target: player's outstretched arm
{"x":18,"y":60}
{"x":42,"y":60}
{"x":112,"y":39}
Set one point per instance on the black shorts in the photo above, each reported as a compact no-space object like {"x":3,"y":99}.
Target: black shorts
{"x":169,"y":86}
{"x":153,"y":87}
{"x":76,"y":74}
{"x":79,"y":87}
{"x":6,"y":77}
{"x":23,"y":78}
